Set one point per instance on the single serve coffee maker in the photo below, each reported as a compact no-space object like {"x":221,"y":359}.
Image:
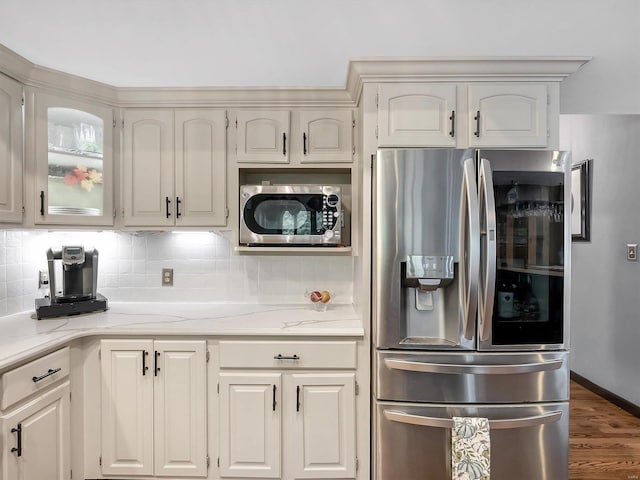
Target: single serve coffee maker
{"x":73,"y":280}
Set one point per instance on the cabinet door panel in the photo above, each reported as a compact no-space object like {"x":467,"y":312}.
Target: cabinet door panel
{"x":263,"y":136}
{"x":510,"y":115}
{"x":326,"y":136}
{"x":180,"y":409}
{"x":44,"y":424}
{"x":148,"y":168}
{"x":74,"y":162}
{"x":200,"y":167}
{"x":127,"y":407}
{"x":10,"y":150}
{"x":250,"y":425}
{"x":416,"y":115}
{"x":321,"y":426}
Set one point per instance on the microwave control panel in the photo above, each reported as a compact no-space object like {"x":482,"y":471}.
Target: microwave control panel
{"x":330,"y":210}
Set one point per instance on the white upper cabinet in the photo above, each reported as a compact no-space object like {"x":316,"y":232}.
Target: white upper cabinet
{"x":263,"y":136}
{"x":174,"y":168}
{"x":74,"y":162}
{"x":318,"y":136}
{"x":200,"y":167}
{"x":327,"y":136}
{"x":416,"y":115}
{"x":10,"y":150}
{"x":502,"y":114}
{"x":508,"y":115}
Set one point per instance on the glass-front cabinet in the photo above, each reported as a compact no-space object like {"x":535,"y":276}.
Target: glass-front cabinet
{"x":74,"y":162}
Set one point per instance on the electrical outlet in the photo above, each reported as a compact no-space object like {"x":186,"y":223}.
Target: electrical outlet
{"x":632,"y":252}
{"x":167,"y":277}
{"x":43,"y":279}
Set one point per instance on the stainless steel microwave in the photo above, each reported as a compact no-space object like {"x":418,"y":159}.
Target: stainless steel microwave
{"x":291,"y":215}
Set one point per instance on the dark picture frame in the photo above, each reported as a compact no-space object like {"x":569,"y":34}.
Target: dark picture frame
{"x":581,"y":201}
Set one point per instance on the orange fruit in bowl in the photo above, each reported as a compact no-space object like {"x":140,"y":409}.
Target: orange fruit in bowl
{"x":325,"y":296}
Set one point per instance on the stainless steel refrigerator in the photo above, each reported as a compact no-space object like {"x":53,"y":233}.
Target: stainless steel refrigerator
{"x":470,"y":309}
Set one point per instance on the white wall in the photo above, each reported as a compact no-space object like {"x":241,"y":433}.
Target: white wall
{"x":130,"y":266}
{"x":605,"y":306}
{"x":309,"y":43}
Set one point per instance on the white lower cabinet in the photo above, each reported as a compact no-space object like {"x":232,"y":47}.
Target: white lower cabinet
{"x":288,"y":423}
{"x":36,"y":438}
{"x":154,"y":408}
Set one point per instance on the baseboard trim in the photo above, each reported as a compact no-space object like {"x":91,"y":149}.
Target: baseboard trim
{"x":626,"y":405}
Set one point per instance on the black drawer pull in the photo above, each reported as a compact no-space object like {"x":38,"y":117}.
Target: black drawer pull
{"x":286,"y":357}
{"x":50,"y":372}
{"x":166,"y":204}
{"x":284,"y":143}
{"x":304,"y":143}
{"x":178,"y":202}
{"x":42,"y":203}
{"x":18,"y":449}
{"x":298,"y":398}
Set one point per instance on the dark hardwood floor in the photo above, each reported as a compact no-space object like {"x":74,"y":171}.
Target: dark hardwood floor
{"x":604,"y":439}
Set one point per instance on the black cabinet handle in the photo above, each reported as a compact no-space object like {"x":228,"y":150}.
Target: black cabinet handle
{"x":144,"y":362}
{"x":274,"y":398}
{"x":285,"y":357}
{"x":167,"y":202}
{"x":477,"y":119}
{"x":18,"y":449}
{"x":156,"y":368}
{"x":298,"y":398}
{"x":284,"y":143}
{"x":304,"y":143}
{"x":50,"y":372}
{"x":42,"y":203}
{"x":452,"y":132}
{"x":178,"y":202}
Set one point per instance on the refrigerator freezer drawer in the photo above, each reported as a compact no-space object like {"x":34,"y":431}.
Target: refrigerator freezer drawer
{"x":413,"y":441}
{"x":471,"y":377}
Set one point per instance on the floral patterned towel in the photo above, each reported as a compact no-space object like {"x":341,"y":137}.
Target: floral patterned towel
{"x":470,"y":452}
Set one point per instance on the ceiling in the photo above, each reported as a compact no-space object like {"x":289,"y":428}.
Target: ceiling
{"x":301,"y":43}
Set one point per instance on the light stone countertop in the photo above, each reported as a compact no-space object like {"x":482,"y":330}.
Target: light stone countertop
{"x":22,"y":336}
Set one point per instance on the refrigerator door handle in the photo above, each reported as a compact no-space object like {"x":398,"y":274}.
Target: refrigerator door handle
{"x":446,"y":368}
{"x":487,"y":250}
{"x":469,"y":249}
{"x":402,"y":417}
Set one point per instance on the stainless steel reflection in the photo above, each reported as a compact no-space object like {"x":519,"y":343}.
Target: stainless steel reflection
{"x":417,"y":212}
{"x":471,"y":377}
{"x":527,"y":441}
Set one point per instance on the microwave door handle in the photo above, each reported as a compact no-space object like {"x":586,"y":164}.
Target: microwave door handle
{"x":505,"y":424}
{"x":488,"y":239}
{"x":469,"y":249}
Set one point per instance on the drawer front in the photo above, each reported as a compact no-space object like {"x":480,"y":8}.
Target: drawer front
{"x":23,"y":381}
{"x":471,"y":377}
{"x":295,"y":355}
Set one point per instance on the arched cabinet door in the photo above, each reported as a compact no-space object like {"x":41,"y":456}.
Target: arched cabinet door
{"x":263,"y":136}
{"x":326,"y":136}
{"x":417,"y":115}
{"x":508,"y":115}
{"x":74,"y":162}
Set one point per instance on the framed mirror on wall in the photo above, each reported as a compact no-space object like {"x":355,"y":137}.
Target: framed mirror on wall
{"x":581,"y":201}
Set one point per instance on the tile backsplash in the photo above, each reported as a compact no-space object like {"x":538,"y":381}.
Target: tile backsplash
{"x":205,"y":270}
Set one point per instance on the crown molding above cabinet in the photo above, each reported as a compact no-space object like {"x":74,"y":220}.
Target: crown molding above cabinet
{"x":360,"y":71}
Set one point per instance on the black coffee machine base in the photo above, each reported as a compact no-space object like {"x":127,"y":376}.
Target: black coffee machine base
{"x":46,"y":309}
